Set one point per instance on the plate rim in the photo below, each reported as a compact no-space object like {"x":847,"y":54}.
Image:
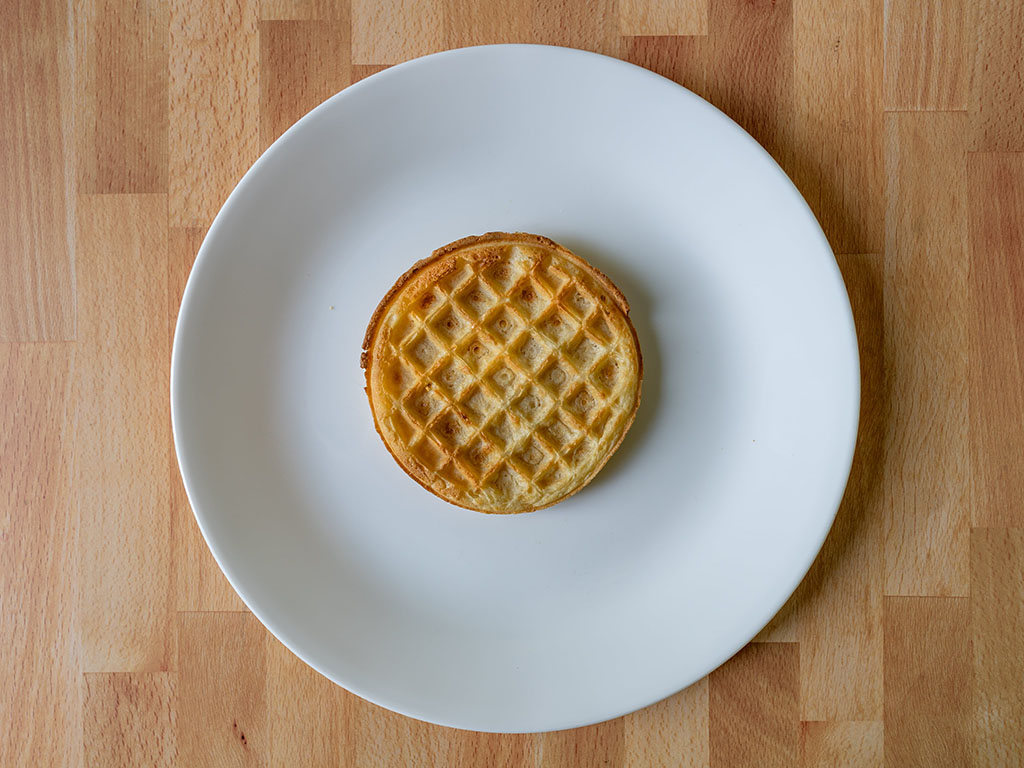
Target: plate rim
{"x":187,"y":300}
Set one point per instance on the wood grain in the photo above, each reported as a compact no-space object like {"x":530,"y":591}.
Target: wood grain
{"x":841,"y":744}
{"x":469,"y":22}
{"x":40,"y":700}
{"x":390,"y":31}
{"x":997,"y":87}
{"x":302,"y":63}
{"x":840,"y":601}
{"x":676,"y":17}
{"x":125,"y":125}
{"x":601,"y":744}
{"x":222,"y":704}
{"x":304,"y":10}
{"x":672,"y":733}
{"x":997,"y":633}
{"x":926,"y":54}
{"x":121,"y":106}
{"x":305,"y":713}
{"x":753,"y":712}
{"x":927,"y":682}
{"x":682,"y":59}
{"x":359,"y":71}
{"x":122,"y":432}
{"x":214,"y":105}
{"x":199,"y":583}
{"x":996,"y":203}
{"x":926,"y":442}
{"x":507,"y":750}
{"x":750,"y":70}
{"x":592,"y":25}
{"x":784,"y":626}
{"x":837,"y":146}
{"x":130,"y":720}
{"x":37,"y":207}
{"x":380,"y":739}
{"x":383,"y":738}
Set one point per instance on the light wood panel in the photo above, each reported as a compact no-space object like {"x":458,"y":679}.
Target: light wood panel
{"x":305,"y":714}
{"x":750,"y":70}
{"x":469,"y":22}
{"x":926,"y":441}
{"x":593,"y":745}
{"x":125,"y":125}
{"x":359,"y":71}
{"x":199,"y":583}
{"x":390,"y":31}
{"x":674,"y":17}
{"x":40,"y":700}
{"x":839,"y":744}
{"x":376,"y":738}
{"x":784,"y":626}
{"x":997,"y":85}
{"x":492,"y":749}
{"x":837,"y":131}
{"x":592,"y":25}
{"x":754,"y":716}
{"x":221,"y":691}
{"x":304,"y":10}
{"x":130,"y":720}
{"x":302,"y":63}
{"x":121,"y":105}
{"x":997,"y":634}
{"x":840,"y":601}
{"x":682,"y":59}
{"x":383,"y":738}
{"x":926,"y":54}
{"x":672,"y":733}
{"x":37,"y":207}
{"x":122,"y":433}
{"x":927,"y":682}
{"x":214,"y":105}
{"x":996,"y":203}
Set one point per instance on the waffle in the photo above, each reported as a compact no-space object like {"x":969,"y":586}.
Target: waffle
{"x":502,"y":372}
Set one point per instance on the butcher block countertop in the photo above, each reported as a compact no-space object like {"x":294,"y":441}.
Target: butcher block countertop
{"x":901,"y":122}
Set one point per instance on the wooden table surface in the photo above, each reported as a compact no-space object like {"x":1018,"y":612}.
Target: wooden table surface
{"x":123,"y":126}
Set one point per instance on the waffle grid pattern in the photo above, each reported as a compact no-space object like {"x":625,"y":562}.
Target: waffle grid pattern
{"x":504,"y":378}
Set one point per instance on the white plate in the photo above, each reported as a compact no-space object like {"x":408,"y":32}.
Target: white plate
{"x":691,"y":537}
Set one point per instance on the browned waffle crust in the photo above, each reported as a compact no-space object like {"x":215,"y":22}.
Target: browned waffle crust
{"x":502,"y":372}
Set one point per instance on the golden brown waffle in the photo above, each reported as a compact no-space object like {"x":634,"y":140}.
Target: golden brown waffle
{"x":502,"y":372}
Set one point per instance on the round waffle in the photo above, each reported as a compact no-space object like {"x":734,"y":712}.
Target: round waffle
{"x":502,"y":372}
